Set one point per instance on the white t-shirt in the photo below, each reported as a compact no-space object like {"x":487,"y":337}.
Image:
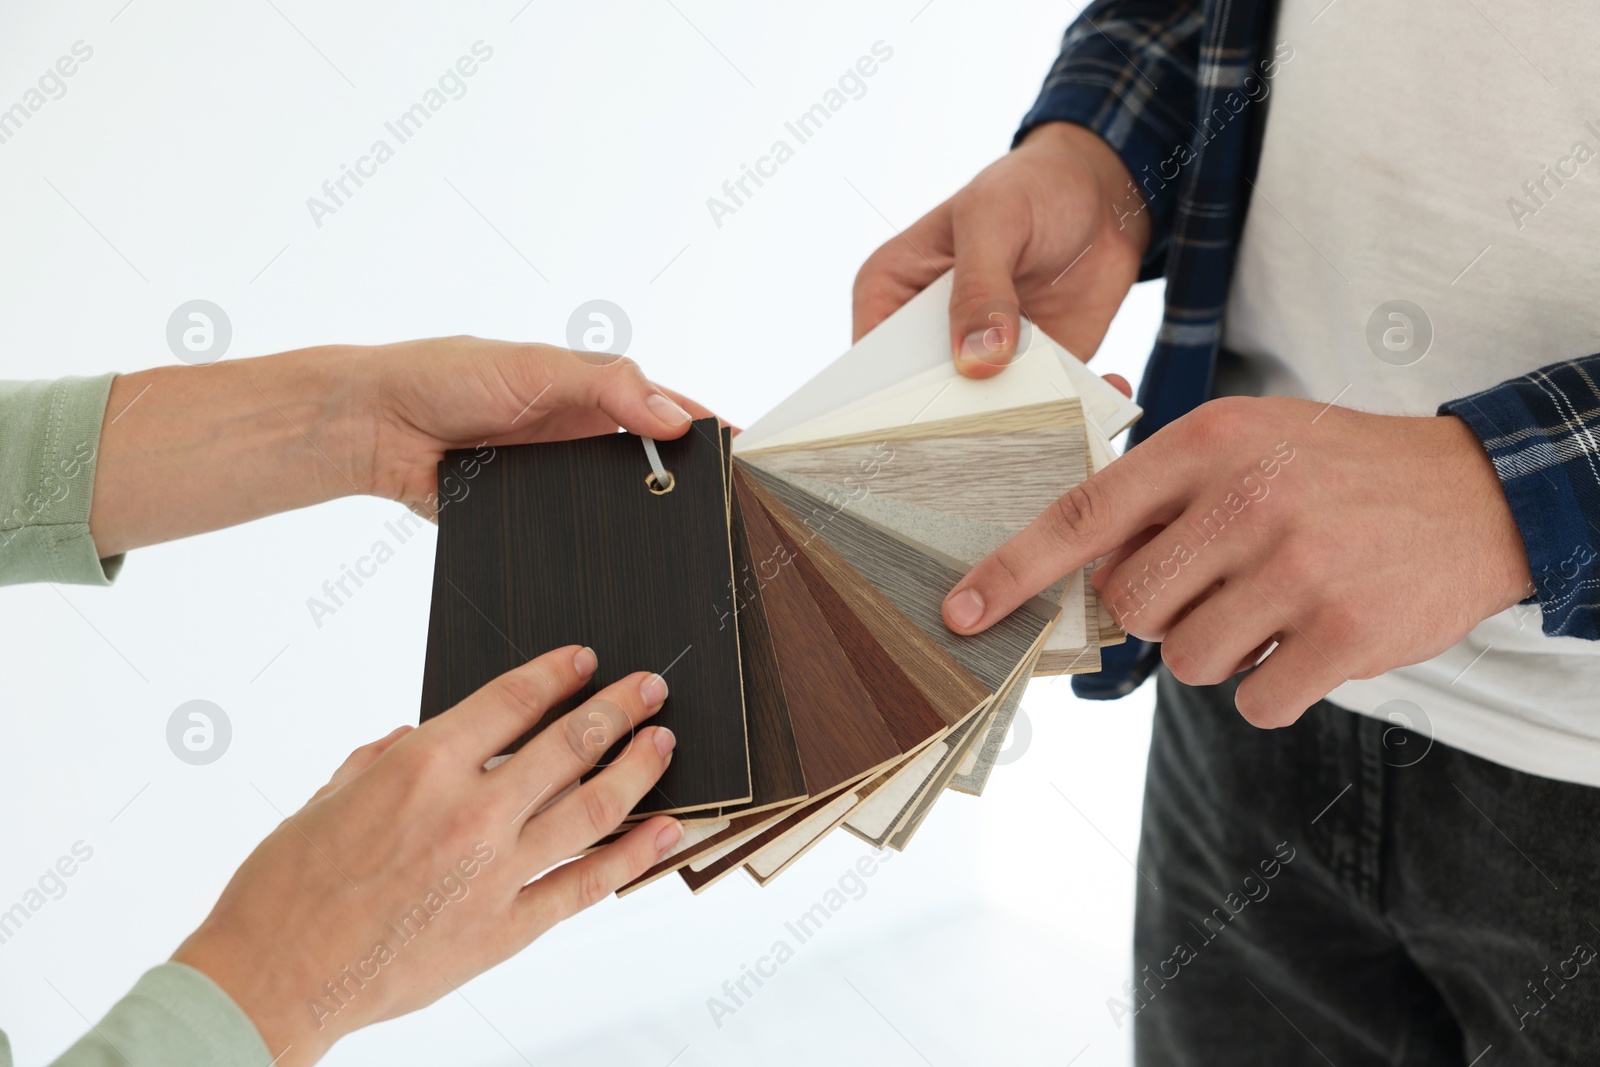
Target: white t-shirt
{"x":1421,"y":152}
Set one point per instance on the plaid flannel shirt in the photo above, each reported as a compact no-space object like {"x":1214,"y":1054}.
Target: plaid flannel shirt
{"x":1176,"y":88}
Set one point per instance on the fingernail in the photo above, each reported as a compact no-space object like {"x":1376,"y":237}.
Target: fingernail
{"x":669,"y":836}
{"x":965,"y":609}
{"x":653,"y":690}
{"x":985,"y":346}
{"x":665,"y":741}
{"x":584,"y":661}
{"x":662,"y":407}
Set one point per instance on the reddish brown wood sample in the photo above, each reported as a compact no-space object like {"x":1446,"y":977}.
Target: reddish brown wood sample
{"x":777,"y":777}
{"x":698,"y":880}
{"x":918,"y":688}
{"x":776,"y":774}
{"x":740,"y":825}
{"x":915,"y":581}
{"x":838,"y":732}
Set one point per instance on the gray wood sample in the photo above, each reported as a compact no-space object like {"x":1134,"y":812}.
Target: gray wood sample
{"x":1005,"y":713}
{"x":1006,"y":479}
{"x":916,"y":583}
{"x":912,"y":820}
{"x":962,"y":539}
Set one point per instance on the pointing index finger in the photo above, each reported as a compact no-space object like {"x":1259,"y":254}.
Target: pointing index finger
{"x":1088,"y":521}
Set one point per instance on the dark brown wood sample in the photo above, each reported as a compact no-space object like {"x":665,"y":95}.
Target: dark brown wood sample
{"x":916,"y":582}
{"x":917,"y":705}
{"x":563,"y":543}
{"x":762,"y":682}
{"x":918,"y":688}
{"x":838,"y":732}
{"x":703,"y":879}
{"x":776,"y":774}
{"x":739,"y":827}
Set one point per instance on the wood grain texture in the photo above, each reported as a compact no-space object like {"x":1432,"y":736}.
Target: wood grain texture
{"x":966,"y":542}
{"x":789,"y":831}
{"x":1111,"y":633}
{"x":740,"y":828}
{"x":1005,"y":479}
{"x":776,"y":773}
{"x":882,"y":778}
{"x":942,"y":395}
{"x":1055,"y":659}
{"x":562,"y":543}
{"x":973,"y":780}
{"x":912,"y":820}
{"x":838,"y":731}
{"x":963,"y":498}
{"x":962,"y":486}
{"x":1025,"y":383}
{"x":701,"y":880}
{"x":710,"y":856}
{"x":913,"y":784}
{"x":875,"y":815}
{"x":781,"y":854}
{"x":1101,"y":630}
{"x":908,"y":354}
{"x":919,"y":689}
{"x":882,"y":829}
{"x":916,"y":582}
{"x":1055,"y":414}
{"x":1028,"y":455}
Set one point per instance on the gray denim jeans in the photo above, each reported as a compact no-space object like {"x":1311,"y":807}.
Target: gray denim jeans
{"x":1344,"y":891}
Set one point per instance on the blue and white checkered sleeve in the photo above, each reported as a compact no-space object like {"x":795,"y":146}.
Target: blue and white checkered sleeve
{"x":1542,"y":432}
{"x":1128,"y":71}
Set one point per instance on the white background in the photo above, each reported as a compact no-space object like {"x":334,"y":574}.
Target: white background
{"x":589,"y":144}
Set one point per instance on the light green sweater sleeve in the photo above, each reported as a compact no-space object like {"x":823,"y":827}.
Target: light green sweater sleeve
{"x":49,"y":440}
{"x":173,"y":1017}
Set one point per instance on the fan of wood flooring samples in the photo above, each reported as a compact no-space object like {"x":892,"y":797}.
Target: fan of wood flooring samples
{"x":789,"y":587}
{"x":557,"y":544}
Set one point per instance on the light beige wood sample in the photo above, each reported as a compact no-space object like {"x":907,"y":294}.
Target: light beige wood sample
{"x":739,"y":830}
{"x":1005,"y":479}
{"x":693,"y":835}
{"x":910,"y":350}
{"x":1001,"y":468}
{"x":875,"y":815}
{"x":776,"y":857}
{"x":1044,"y":370}
{"x":1056,"y":413}
{"x":937,"y":392}
{"x":708,"y":875}
{"x":911,"y":820}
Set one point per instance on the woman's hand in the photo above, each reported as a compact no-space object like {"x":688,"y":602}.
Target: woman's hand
{"x":184,"y":450}
{"x":1054,"y":226}
{"x":414,"y":869}
{"x":428,"y":396}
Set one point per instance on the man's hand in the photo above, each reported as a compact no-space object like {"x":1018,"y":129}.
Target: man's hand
{"x":1054,"y":226}
{"x":1347,"y":543}
{"x":414,"y":869}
